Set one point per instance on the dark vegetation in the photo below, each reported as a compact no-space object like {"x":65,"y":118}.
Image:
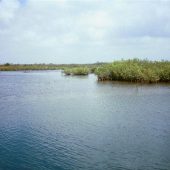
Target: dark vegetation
{"x":135,"y":70}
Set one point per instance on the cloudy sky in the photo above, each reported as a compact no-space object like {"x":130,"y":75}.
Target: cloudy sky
{"x":83,"y":31}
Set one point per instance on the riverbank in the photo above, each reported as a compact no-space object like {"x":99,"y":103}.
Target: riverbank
{"x":135,"y":70}
{"x":25,"y":67}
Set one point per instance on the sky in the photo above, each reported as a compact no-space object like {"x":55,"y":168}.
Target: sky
{"x":83,"y":31}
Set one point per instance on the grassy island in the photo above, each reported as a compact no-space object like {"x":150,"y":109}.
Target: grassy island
{"x":135,"y":70}
{"x":82,"y":71}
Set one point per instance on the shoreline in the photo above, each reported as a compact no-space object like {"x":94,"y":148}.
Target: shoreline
{"x":100,"y":82}
{"x":132,"y":70}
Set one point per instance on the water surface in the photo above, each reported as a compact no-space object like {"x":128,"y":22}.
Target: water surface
{"x":51,"y":121}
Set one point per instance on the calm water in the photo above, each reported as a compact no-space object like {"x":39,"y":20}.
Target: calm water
{"x":49,"y":121}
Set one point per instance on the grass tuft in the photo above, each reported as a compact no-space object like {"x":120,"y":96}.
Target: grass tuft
{"x":79,"y":71}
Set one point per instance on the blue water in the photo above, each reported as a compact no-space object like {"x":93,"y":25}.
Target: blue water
{"x":49,"y":121}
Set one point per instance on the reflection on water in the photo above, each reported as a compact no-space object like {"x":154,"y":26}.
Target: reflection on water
{"x":52,"y":121}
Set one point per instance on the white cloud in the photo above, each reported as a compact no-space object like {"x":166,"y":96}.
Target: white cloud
{"x":8,"y":10}
{"x":96,"y":28}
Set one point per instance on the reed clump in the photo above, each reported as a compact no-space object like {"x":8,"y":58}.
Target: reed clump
{"x":135,"y":71}
{"x":79,"y":71}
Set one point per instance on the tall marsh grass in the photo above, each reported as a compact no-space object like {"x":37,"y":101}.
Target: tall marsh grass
{"x":135,"y":71}
{"x":79,"y":71}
